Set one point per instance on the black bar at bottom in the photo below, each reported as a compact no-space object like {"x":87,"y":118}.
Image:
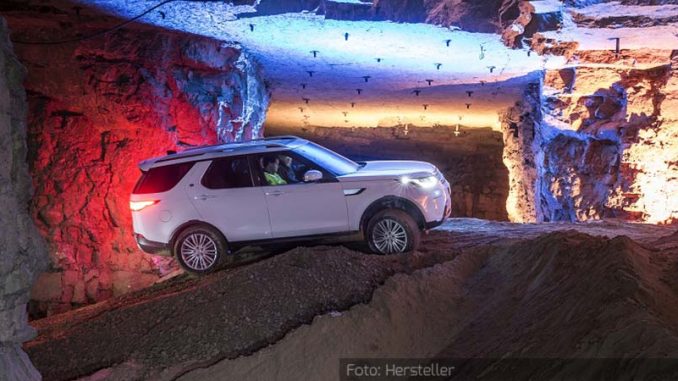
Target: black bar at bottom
{"x":599,"y":369}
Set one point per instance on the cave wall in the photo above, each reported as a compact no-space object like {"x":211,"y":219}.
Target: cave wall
{"x":96,"y":108}
{"x":520,"y":126}
{"x":22,"y":250}
{"x":613,"y":150}
{"x":650,"y":163}
{"x":470,"y":160}
{"x":487,"y":16}
{"x":605,"y":146}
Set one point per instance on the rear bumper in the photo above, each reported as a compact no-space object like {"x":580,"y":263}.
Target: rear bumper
{"x":151,"y":247}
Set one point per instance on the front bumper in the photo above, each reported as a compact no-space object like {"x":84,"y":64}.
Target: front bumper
{"x":432,"y":224}
{"x":448,"y":207}
{"x":151,"y":247}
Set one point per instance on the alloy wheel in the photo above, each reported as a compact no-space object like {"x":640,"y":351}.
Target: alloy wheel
{"x":390,"y":236}
{"x":199,"y":251}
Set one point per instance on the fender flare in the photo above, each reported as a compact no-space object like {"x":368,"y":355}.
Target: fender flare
{"x":392,"y":202}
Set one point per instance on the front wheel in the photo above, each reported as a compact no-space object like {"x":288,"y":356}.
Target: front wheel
{"x":200,"y":249}
{"x":392,"y":231}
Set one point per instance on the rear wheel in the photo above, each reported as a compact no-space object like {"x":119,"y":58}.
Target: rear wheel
{"x":200,"y":249}
{"x":392,"y":231}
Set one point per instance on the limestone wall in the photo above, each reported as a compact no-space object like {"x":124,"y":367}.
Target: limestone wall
{"x":96,"y":108}
{"x":604,"y":145}
{"x":22,"y":251}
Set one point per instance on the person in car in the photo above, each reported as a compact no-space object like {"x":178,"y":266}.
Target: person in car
{"x":285,"y":170}
{"x":271,"y":165}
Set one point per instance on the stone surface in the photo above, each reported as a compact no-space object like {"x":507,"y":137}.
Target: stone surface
{"x":477,"y":16}
{"x":294,"y":304}
{"x":97,"y":108}
{"x":604,"y":149}
{"x":606,"y":146}
{"x":22,"y":251}
{"x":398,"y":49}
{"x":621,"y":156}
{"x":520,"y":125}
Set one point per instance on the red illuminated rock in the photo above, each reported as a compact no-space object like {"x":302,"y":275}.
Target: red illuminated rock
{"x":97,"y":108}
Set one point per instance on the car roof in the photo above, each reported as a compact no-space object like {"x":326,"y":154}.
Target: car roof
{"x":270,"y":144}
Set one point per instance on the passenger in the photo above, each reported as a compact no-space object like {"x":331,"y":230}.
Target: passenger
{"x":271,"y":164}
{"x":285,"y":170}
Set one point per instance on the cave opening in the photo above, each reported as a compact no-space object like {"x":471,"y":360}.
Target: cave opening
{"x":534,"y":111}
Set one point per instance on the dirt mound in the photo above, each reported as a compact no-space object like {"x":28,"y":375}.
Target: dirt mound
{"x":195,"y":322}
{"x":513,"y":294}
{"x":570,"y":295}
{"x":667,"y":242}
{"x":553,"y":302}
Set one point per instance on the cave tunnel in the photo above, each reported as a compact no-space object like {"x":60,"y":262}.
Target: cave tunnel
{"x":542,"y":115}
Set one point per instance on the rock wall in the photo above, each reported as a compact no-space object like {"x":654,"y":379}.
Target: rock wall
{"x":650,"y":162}
{"x":22,"y":251}
{"x":606,"y":146}
{"x":98,"y":107}
{"x":620,"y":154}
{"x":471,"y":160}
{"x":520,"y":126}
{"x":486,"y":16}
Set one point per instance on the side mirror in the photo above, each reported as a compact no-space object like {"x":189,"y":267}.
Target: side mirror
{"x":312,"y":176}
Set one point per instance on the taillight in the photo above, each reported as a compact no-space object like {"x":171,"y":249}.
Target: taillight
{"x":138,"y":205}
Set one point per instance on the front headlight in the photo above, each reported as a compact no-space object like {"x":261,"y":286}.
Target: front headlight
{"x":427,"y":182}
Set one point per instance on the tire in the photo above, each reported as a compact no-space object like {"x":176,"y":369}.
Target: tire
{"x":405,"y":234}
{"x":208,"y":241}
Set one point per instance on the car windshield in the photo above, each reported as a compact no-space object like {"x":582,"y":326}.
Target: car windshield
{"x":328,"y":159}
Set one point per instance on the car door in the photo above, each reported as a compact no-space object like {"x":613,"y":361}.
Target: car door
{"x":300,"y":208}
{"x":226,"y":198}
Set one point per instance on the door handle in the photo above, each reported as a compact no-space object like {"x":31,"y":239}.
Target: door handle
{"x":274,"y":193}
{"x":204,"y":197}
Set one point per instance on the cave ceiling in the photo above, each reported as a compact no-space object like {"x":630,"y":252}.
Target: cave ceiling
{"x":389,"y":62}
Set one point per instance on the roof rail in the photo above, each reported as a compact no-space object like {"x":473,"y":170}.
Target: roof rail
{"x":282,"y":137}
{"x":234,"y":146}
{"x":203,"y":147}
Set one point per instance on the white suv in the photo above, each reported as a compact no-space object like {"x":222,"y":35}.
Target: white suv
{"x":201,"y":204}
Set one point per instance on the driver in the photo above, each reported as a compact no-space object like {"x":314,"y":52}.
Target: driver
{"x":286,"y":171}
{"x":271,"y":165}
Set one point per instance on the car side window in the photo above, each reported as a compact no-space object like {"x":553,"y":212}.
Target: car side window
{"x":161,"y":179}
{"x":284,"y":168}
{"x":228,"y":172}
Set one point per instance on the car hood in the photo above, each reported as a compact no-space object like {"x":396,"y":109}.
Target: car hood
{"x":390,"y":169}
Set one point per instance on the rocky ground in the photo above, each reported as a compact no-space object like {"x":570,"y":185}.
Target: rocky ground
{"x":475,"y":289}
